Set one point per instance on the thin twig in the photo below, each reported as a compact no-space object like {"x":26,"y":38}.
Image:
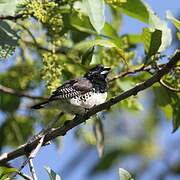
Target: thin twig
{"x":25,"y":176}
{"x":19,"y":170}
{"x":19,"y":94}
{"x":29,"y":32}
{"x":168,"y":87}
{"x":7,"y":17}
{"x":62,"y":130}
{"x":44,"y":131}
{"x":38,"y":147}
{"x":32,"y":169}
{"x":52,"y":123}
{"x":30,"y":156}
{"x":133,"y":71}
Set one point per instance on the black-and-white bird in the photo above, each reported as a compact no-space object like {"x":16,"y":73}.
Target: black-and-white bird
{"x":77,"y":95}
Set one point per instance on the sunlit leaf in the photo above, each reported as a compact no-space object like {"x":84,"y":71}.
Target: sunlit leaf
{"x":52,"y":174}
{"x":156,"y":23}
{"x":135,"y":9}
{"x":175,"y":21}
{"x":5,"y":172}
{"x":168,"y":111}
{"x":116,"y":18}
{"x":97,"y":18}
{"x":84,"y":46}
{"x":134,"y":38}
{"x":178,"y":35}
{"x":124,"y":174}
{"x":111,"y":32}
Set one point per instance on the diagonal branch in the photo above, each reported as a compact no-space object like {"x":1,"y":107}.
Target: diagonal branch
{"x":62,"y":130}
{"x":19,"y":94}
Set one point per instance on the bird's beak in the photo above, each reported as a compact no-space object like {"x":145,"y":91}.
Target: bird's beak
{"x":106,"y":70}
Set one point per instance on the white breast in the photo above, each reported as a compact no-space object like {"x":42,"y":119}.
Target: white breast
{"x":77,"y":105}
{"x":89,"y":99}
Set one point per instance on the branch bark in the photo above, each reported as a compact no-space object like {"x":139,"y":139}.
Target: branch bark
{"x":8,"y":17}
{"x":19,"y":94}
{"x":62,"y":130}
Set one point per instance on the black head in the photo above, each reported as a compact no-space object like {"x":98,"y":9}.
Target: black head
{"x":99,"y":72}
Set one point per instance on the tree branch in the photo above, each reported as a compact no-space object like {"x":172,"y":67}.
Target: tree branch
{"x":32,"y":169}
{"x":19,"y":94}
{"x":168,"y":87}
{"x":133,"y":71}
{"x":62,"y":130}
{"x":8,"y":17}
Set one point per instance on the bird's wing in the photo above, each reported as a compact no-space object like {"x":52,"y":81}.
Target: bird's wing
{"x":71,"y":89}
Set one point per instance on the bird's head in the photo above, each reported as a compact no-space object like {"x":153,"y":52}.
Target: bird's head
{"x":99,"y":72}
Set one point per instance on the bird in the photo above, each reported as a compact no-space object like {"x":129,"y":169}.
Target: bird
{"x":78,"y":95}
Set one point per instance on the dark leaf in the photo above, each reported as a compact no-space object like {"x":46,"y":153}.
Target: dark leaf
{"x":152,"y":42}
{"x":8,"y":40}
{"x":87,"y":56}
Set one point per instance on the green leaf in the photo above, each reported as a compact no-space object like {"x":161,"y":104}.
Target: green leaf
{"x":168,"y":111}
{"x":82,"y":24}
{"x":52,"y":174}
{"x":116,"y":18}
{"x":176,"y":115}
{"x":136,"y":9}
{"x":84,"y":46}
{"x":8,"y":7}
{"x":134,"y":38}
{"x":156,"y":23}
{"x":178,"y":35}
{"x":152,"y":41}
{"x":160,"y":93}
{"x":124,"y":175}
{"x":111,"y":32}
{"x":176,"y":22}
{"x":8,"y":40}
{"x":96,"y":13}
{"x":99,"y":134}
{"x":176,"y":112}
{"x":169,"y":103}
{"x":12,"y":131}
{"x":87,"y":56}
{"x":5,"y":172}
{"x":106,"y":161}
{"x":6,"y":102}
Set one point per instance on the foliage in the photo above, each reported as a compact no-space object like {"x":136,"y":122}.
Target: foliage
{"x":52,"y":174}
{"x":124,"y":175}
{"x":6,"y":172}
{"x":53,"y":41}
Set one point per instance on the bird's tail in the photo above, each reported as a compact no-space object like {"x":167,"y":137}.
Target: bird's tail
{"x":39,"y":105}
